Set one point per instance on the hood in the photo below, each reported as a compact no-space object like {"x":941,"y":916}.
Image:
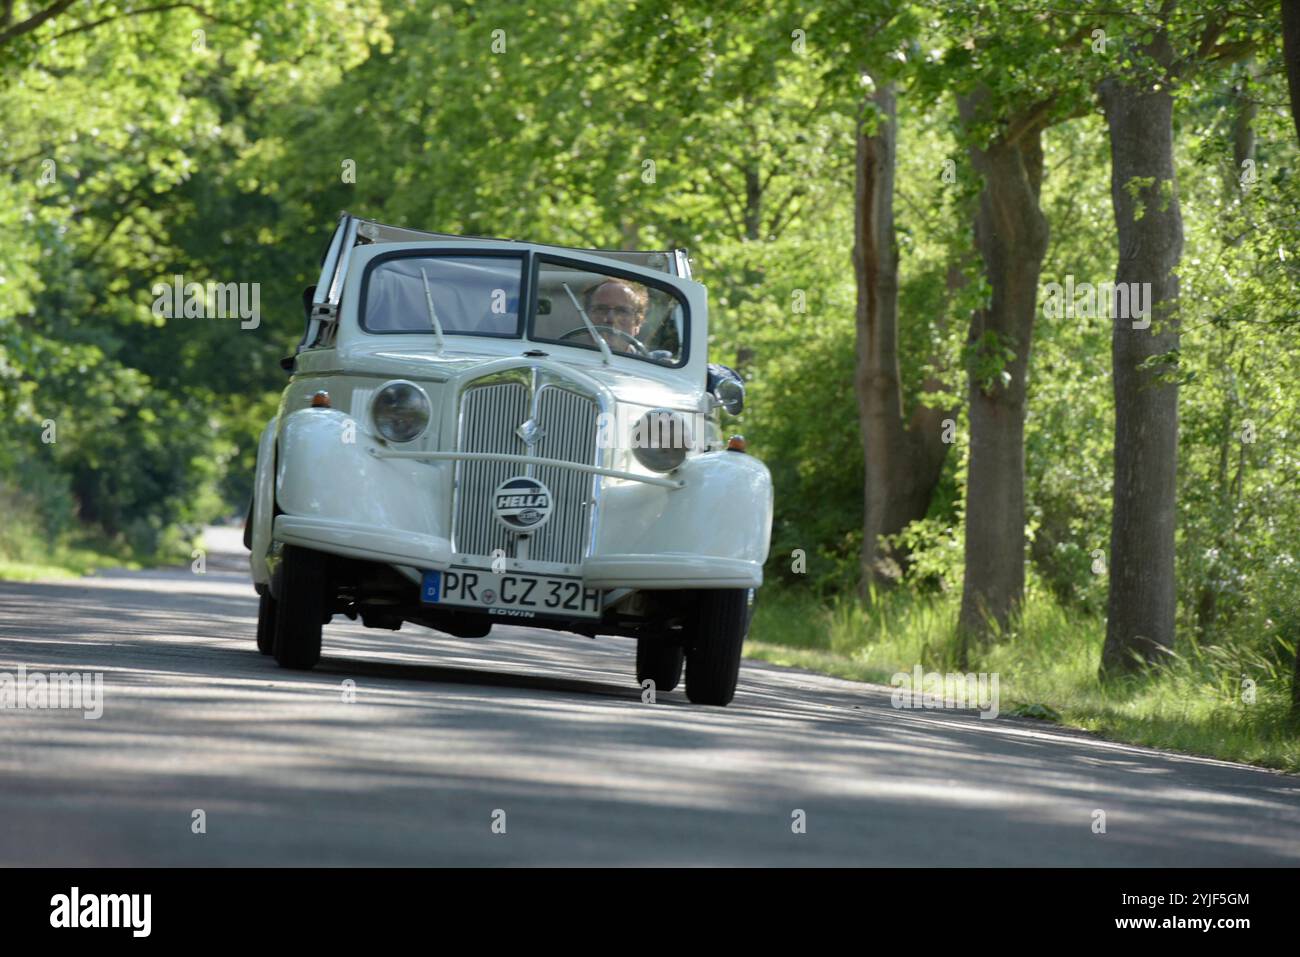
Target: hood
{"x":627,"y":380}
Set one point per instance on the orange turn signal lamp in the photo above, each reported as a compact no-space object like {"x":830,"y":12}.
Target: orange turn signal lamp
{"x":321,"y":400}
{"x":736,"y":443}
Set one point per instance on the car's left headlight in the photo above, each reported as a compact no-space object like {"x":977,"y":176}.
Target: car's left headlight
{"x":401,"y":411}
{"x":660,"y":439}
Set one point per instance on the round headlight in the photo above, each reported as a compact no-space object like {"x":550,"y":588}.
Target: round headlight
{"x":660,"y":439}
{"x":400,"y":411}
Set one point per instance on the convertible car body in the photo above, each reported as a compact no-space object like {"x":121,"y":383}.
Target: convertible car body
{"x":480,"y":431}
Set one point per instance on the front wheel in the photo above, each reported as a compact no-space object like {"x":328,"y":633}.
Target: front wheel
{"x":302,"y":608}
{"x":660,"y":662}
{"x":266,"y":609}
{"x":715,"y":637}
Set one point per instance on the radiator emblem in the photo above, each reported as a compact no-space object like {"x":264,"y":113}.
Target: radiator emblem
{"x":530,"y":433}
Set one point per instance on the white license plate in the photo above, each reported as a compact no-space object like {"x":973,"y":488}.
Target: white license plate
{"x":511,"y":595}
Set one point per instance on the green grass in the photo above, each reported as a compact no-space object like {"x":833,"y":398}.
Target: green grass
{"x":63,"y":561}
{"x":35,"y":546}
{"x":26,"y":557}
{"x":1048,"y":666}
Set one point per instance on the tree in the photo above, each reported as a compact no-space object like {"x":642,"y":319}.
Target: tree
{"x":903,"y":457}
{"x":1291,"y":54}
{"x":1016,"y":73}
{"x":108,"y":149}
{"x":1139,"y":107}
{"x":1011,"y":235}
{"x":1142,"y":600}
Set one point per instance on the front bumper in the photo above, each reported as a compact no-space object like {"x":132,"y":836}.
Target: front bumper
{"x":657,"y":571}
{"x":359,"y":541}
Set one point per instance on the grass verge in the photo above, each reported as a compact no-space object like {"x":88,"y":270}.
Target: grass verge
{"x":26,"y":560}
{"x":1228,"y":701}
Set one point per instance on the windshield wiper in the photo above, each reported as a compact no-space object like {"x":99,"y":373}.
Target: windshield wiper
{"x":433,"y":314}
{"x":591,"y":328}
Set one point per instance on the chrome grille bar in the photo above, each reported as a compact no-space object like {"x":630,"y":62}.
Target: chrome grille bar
{"x":489,"y":414}
{"x":569,"y":423}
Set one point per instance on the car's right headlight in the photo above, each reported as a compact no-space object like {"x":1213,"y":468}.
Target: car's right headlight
{"x":401,"y":411}
{"x":660,"y":439}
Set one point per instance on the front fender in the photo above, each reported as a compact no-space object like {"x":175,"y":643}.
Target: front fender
{"x":325,"y":471}
{"x":723,"y":510}
{"x":263,"y":514}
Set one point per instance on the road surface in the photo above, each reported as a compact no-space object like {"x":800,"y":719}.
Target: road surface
{"x":448,"y":742}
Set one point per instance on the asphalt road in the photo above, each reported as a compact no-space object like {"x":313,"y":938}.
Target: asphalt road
{"x":445,"y":734}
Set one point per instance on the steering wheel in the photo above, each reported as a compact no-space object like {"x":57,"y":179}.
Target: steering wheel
{"x":627,"y":337}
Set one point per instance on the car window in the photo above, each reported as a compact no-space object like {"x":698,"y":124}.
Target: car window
{"x":636,"y":319}
{"x":472,"y":295}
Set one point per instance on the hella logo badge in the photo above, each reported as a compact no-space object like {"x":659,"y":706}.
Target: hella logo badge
{"x":522,"y":504}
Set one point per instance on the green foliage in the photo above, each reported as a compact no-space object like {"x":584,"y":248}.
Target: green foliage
{"x":1239,"y":515}
{"x":121,"y":129}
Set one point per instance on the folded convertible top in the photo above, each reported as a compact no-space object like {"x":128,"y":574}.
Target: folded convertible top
{"x":672,"y":261}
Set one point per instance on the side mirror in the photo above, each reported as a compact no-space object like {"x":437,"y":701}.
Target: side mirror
{"x":727,"y":387}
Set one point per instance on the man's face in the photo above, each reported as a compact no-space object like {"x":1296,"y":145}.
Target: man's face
{"x":615,"y":304}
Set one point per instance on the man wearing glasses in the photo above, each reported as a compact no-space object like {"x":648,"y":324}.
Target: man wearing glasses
{"x":621,"y":304}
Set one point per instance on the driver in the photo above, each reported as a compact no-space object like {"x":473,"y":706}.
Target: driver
{"x":619,"y":303}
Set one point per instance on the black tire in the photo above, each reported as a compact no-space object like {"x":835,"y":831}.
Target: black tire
{"x":302,"y":610}
{"x":660,"y":662}
{"x":716,"y":636}
{"x":266,"y":609}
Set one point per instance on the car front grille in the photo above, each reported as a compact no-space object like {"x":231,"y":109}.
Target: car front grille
{"x":489,"y":415}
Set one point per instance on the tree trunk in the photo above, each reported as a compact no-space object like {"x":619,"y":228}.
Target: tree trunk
{"x":752,"y":218}
{"x":1291,"y":54}
{"x":1142,"y":599}
{"x":1011,"y":235}
{"x":753,"y":202}
{"x":903,"y":460}
{"x":1243,"y":127}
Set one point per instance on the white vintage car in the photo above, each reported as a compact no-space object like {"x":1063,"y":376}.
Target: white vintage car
{"x":481,"y":431}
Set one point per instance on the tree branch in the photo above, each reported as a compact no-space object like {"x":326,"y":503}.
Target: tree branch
{"x":32,"y":22}
{"x":724,"y":196}
{"x":779,"y":220}
{"x":161,"y":8}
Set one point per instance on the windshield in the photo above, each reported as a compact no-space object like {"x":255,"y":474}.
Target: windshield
{"x":634,"y":318}
{"x":582,"y":306}
{"x":468,"y":295}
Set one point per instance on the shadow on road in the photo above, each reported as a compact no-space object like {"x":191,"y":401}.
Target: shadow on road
{"x":124,"y":619}
{"x":436,"y":674}
{"x":551,"y":727}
